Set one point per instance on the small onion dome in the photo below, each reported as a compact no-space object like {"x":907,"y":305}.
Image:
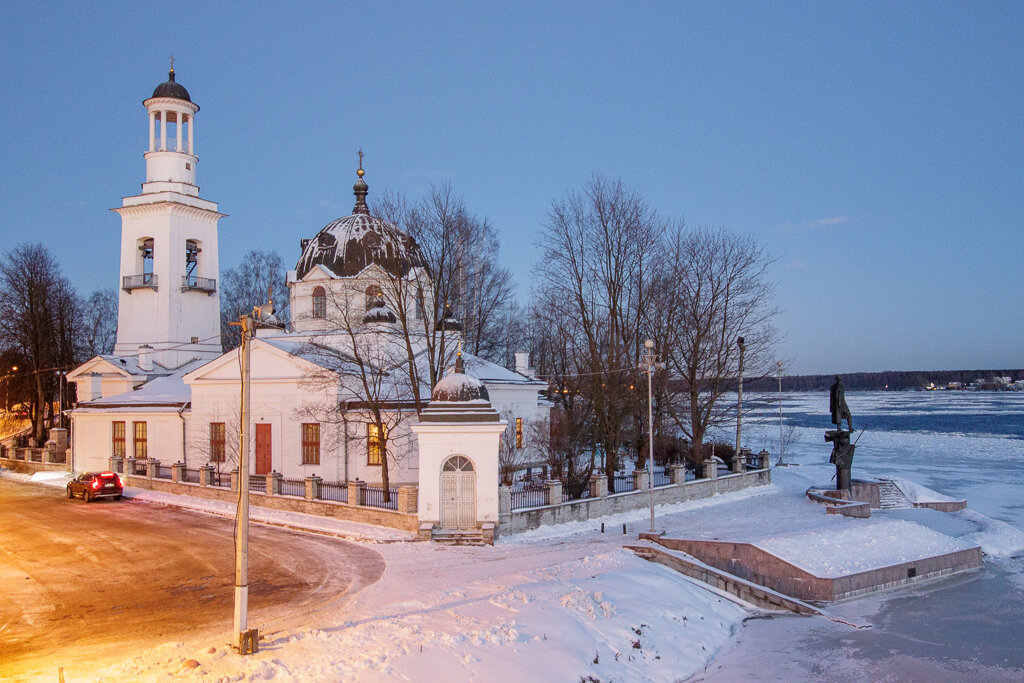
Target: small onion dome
{"x":458,"y":387}
{"x":379,"y":313}
{"x":449,"y":322}
{"x":459,"y":398}
{"x":170,"y":88}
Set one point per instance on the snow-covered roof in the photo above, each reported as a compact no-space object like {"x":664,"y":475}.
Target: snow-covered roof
{"x":167,"y":390}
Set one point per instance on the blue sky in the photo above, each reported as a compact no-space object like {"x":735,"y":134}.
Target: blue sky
{"x":874,"y":148}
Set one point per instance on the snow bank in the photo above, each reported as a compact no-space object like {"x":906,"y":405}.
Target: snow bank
{"x":996,"y":538}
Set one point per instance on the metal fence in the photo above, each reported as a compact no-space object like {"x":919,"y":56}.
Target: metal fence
{"x":373,"y":496}
{"x":191,"y":476}
{"x":568,"y":497}
{"x":661,"y":478}
{"x":529,"y":497}
{"x":218,"y":478}
{"x":330,"y":490}
{"x":258,"y":482}
{"x":140,"y":468}
{"x":293,"y":487}
{"x":162,"y":472}
{"x":621,"y":483}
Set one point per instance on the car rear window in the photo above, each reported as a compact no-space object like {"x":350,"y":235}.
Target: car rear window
{"x":108,"y":478}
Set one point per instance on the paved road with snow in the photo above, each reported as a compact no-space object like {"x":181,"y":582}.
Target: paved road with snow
{"x":86,"y":585}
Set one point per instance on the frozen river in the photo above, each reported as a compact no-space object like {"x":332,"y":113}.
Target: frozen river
{"x":965,"y":444}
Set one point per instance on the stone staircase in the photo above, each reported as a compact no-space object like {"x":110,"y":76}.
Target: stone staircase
{"x":890,"y":497}
{"x":458,"y":536}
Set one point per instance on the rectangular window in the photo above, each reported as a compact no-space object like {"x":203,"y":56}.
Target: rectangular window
{"x":310,"y":444}
{"x":217,"y":438}
{"x":139,"y":440}
{"x":374,"y":451}
{"x":117,"y":439}
{"x":519,"y":432}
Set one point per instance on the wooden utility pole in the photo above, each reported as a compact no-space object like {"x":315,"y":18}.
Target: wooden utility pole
{"x":246,"y":640}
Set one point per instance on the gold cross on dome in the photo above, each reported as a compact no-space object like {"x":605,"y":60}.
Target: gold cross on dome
{"x":360,"y":157}
{"x":459,"y":352}
{"x":172,"y":62}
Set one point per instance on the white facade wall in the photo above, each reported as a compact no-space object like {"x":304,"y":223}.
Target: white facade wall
{"x":92,"y":437}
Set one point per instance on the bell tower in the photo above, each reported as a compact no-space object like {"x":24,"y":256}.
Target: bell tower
{"x":168,"y":290}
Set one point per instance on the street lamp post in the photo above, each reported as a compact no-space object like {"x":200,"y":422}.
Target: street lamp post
{"x":782,"y":453}
{"x":649,"y":358}
{"x":739,"y":398}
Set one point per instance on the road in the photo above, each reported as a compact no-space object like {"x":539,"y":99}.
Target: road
{"x":89,"y":585}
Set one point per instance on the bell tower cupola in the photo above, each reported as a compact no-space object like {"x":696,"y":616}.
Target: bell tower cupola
{"x":170,"y":155}
{"x":169,"y":298}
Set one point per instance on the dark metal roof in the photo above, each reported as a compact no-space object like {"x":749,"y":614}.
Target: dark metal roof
{"x":170,"y":88}
{"x":348,"y":245}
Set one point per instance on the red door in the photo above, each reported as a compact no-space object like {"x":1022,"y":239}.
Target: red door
{"x":263,"y":448}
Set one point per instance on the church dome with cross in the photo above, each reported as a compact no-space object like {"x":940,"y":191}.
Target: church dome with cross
{"x":350,"y":244}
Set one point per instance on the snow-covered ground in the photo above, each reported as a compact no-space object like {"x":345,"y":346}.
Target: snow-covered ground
{"x":568,"y":603}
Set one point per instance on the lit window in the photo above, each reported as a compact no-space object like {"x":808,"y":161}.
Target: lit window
{"x":375,"y":449}
{"x":519,"y":432}
{"x":310,"y":444}
{"x":373,"y":293}
{"x":319,"y":303}
{"x":139,"y":440}
{"x":117,"y":439}
{"x":217,"y":439}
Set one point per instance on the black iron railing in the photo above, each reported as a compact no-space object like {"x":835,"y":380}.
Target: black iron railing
{"x":218,"y":478}
{"x":293,"y":487}
{"x":661,"y":478}
{"x":191,"y":476}
{"x":621,"y":483}
{"x":258,"y":482}
{"x":373,"y":496}
{"x":568,"y":497}
{"x":162,"y":472}
{"x":130,"y":282}
{"x":333,"y":491}
{"x":529,"y":497}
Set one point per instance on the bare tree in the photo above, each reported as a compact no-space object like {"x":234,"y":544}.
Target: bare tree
{"x":598,"y":247}
{"x":712,"y":288}
{"x":38,"y":314}
{"x":246,"y":286}
{"x":99,"y":322}
{"x":362,"y":363}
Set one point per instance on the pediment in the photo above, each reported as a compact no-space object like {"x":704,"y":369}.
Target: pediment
{"x":266,"y":362}
{"x":98,"y":365}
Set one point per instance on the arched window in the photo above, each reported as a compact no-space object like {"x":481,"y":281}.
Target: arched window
{"x":191,"y":258}
{"x":372,"y":294}
{"x":319,"y":303}
{"x":146,"y":261}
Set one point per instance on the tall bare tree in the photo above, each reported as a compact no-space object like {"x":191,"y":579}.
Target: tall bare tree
{"x":713,"y":288}
{"x":246,"y":286}
{"x":98,"y":327}
{"x":598,"y":246}
{"x":39,"y":311}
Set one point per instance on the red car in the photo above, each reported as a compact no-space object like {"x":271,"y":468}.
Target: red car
{"x":92,"y":485}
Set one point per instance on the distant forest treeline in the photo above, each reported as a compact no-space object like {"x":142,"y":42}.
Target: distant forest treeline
{"x":894,"y":380}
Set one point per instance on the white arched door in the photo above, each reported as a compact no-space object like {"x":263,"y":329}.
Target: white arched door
{"x":458,"y":493}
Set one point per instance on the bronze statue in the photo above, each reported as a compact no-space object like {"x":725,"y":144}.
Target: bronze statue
{"x":842,"y":449}
{"x":837,"y":405}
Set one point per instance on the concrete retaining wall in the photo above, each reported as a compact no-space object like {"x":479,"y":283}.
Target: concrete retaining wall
{"x":30,"y":467}
{"x":592,"y":508}
{"x":944,"y":506}
{"x":323,"y":508}
{"x":754,"y":564}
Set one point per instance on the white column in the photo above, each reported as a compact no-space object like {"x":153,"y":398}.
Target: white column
{"x":152,"y":130}
{"x":181,"y":122}
{"x":163,"y":131}
{"x":191,"y":128}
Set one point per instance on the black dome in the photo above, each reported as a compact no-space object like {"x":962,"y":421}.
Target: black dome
{"x":458,"y":387}
{"x":348,"y":245}
{"x":170,"y":88}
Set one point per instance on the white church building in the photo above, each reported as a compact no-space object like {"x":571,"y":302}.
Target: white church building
{"x":324,"y":387}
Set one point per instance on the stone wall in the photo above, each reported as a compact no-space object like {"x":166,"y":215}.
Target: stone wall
{"x":30,"y":461}
{"x":516,"y":521}
{"x":750,"y":562}
{"x":323,"y":508}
